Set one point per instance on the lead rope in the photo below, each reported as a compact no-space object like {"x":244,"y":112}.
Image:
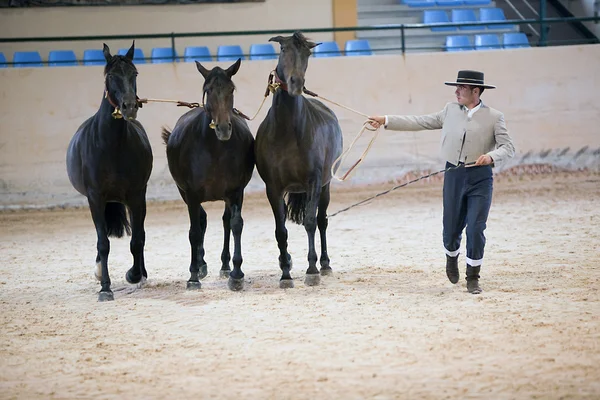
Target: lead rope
{"x":340,"y":160}
{"x":399,"y":186}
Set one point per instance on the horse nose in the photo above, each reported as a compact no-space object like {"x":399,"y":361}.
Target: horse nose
{"x":224,"y":130}
{"x":130,"y":105}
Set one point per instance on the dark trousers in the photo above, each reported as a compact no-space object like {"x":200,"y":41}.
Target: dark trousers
{"x":467,"y":200}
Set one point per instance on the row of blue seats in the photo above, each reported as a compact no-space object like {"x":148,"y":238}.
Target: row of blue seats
{"x":487,"y":41}
{"x":264,"y":51}
{"x":444,"y":3}
{"x":466,"y":15}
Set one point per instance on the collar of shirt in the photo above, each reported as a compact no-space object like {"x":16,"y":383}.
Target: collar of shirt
{"x":473,"y":110}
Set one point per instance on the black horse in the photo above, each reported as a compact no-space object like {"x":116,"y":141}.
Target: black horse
{"x":296,"y":145}
{"x":109,"y":161}
{"x":211,"y":157}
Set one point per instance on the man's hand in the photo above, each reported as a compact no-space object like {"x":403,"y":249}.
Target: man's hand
{"x":484,"y":160}
{"x":376,"y":122}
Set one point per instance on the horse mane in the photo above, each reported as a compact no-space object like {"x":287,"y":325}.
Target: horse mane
{"x":109,"y":65}
{"x":217,"y":72}
{"x":300,"y":39}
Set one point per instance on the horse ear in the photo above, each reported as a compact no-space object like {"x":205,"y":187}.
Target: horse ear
{"x":202,"y":70}
{"x":231,"y":71}
{"x":130,"y":52}
{"x":312,"y":45}
{"x":106,"y":52}
{"x":277,"y":39}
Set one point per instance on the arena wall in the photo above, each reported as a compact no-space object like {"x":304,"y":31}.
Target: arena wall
{"x":549,"y":97}
{"x":132,"y":20}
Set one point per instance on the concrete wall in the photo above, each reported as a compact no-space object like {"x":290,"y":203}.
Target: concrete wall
{"x":85,"y":21}
{"x":549,"y":97}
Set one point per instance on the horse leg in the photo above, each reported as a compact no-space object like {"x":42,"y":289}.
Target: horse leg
{"x":322,"y":224}
{"x":236,"y":278}
{"x":310,"y":224}
{"x":137,"y":206}
{"x":198,"y":268}
{"x":97,"y":207}
{"x":281,"y":234}
{"x":225,"y":255}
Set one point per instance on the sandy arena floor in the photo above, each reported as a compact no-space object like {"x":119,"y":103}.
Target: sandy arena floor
{"x":387,"y":325}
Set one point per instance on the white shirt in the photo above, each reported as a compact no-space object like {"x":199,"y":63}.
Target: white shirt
{"x":472,"y":110}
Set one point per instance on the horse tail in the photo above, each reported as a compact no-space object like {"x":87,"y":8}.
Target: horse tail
{"x":117,"y":223}
{"x":295,"y":207}
{"x":165,"y":135}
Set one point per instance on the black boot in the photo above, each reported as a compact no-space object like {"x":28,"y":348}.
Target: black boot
{"x":473,"y":279}
{"x":452,"y":268}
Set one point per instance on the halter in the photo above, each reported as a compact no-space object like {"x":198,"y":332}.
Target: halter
{"x":116,"y":114}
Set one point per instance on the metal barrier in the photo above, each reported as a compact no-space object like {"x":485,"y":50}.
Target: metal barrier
{"x":401,"y":28}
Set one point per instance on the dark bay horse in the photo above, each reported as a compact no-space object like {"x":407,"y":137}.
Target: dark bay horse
{"x":211,"y":157}
{"x":109,"y":161}
{"x":296,"y":144}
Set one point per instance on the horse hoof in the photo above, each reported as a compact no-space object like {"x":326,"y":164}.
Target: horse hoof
{"x":98,"y":272}
{"x":133,"y":279}
{"x":224,"y":273}
{"x":326,"y":271}
{"x":286,"y":283}
{"x":312,"y":279}
{"x":203,"y":271}
{"x":106,"y":296}
{"x":193,"y":285}
{"x":235,"y":284}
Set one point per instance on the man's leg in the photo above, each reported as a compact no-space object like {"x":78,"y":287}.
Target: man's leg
{"x":454,"y":218}
{"x":479,"y":200}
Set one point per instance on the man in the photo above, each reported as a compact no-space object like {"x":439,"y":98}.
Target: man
{"x":471,"y":132}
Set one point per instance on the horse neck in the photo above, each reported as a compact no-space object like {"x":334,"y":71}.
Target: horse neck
{"x":285,"y":104}
{"x":107,"y":126}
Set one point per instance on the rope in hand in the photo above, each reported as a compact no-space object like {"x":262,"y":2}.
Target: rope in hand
{"x":340,"y":160}
{"x":399,"y":186}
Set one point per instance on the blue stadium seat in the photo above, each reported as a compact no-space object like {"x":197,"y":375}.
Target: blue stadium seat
{"x":488,"y":41}
{"x":93,"y":57}
{"x":327,"y":49}
{"x":196,"y":53}
{"x":163,"y":55}
{"x":449,"y":3}
{"x":62,"y":58}
{"x":2,"y":60}
{"x":465,"y":15}
{"x":27,"y":59}
{"x":493,"y":14}
{"x":437,"y":17}
{"x":515,"y":39}
{"x":263,"y":51}
{"x":358,"y":48}
{"x":458,"y":43}
{"x":230,"y":52}
{"x":138,"y":55}
{"x":477,"y":2}
{"x":419,"y":3}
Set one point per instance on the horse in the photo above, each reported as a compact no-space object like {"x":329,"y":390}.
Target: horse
{"x":109,"y":160}
{"x":296,"y":145}
{"x":210,"y":153}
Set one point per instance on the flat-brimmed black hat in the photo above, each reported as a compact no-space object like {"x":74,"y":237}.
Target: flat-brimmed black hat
{"x":468,"y":77}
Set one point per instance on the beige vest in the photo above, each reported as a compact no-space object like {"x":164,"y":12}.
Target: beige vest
{"x":463,"y":139}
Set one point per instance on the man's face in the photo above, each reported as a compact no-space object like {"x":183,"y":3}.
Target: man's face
{"x":464,"y":94}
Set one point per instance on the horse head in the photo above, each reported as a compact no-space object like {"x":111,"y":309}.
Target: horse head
{"x":120,"y":81}
{"x":218,"y":91}
{"x":293,"y":60}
